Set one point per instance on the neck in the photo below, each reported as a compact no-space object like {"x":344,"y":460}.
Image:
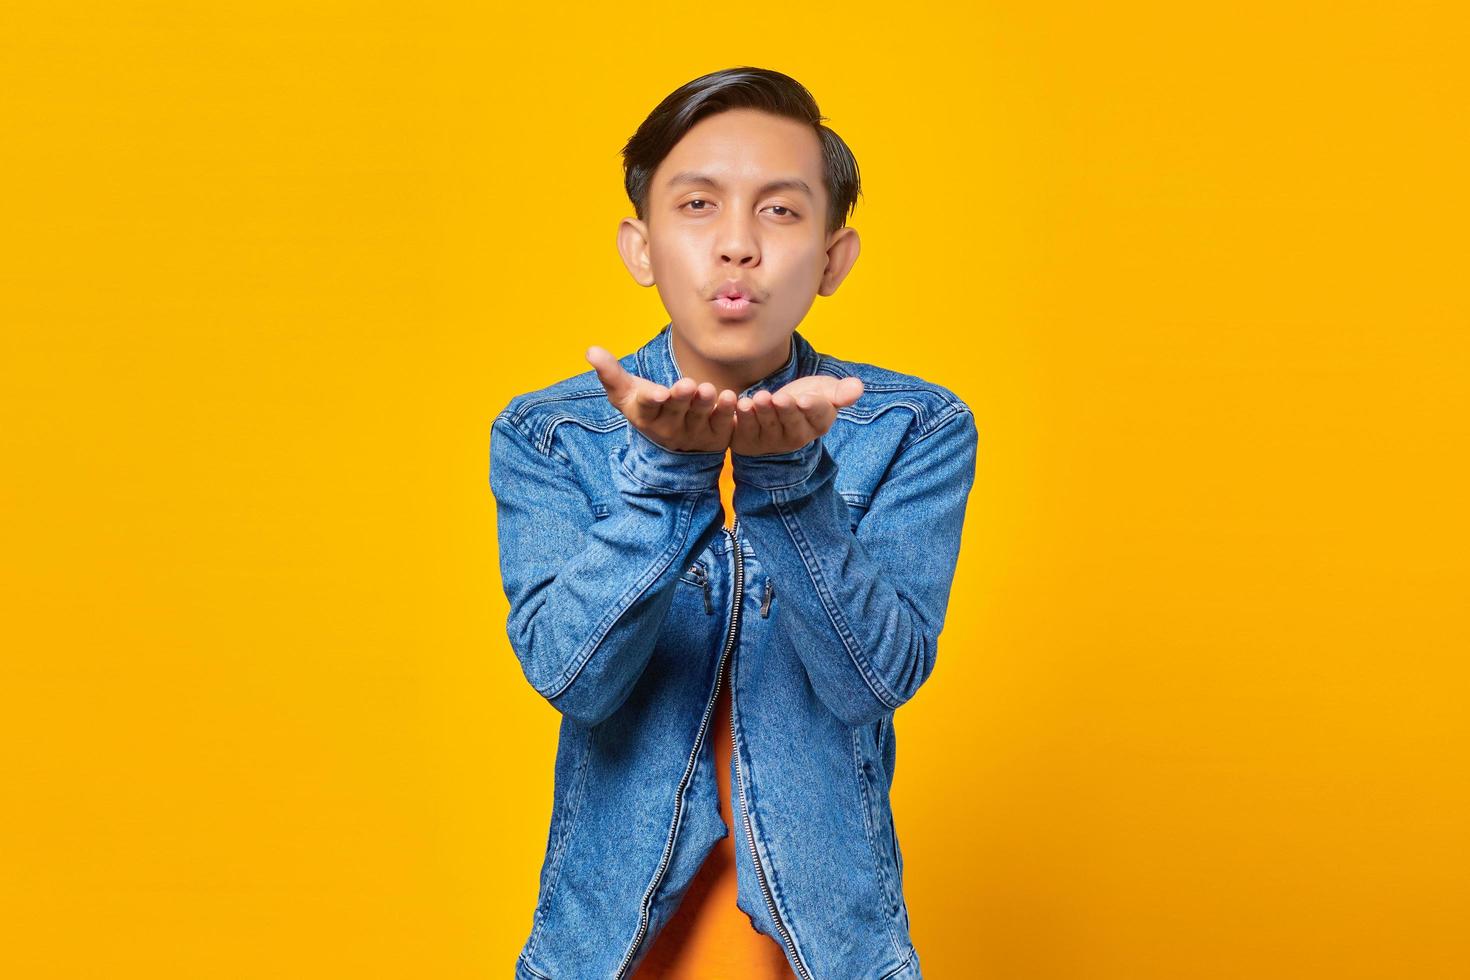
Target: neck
{"x":735,"y":375}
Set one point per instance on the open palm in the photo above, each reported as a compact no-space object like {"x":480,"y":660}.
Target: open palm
{"x":686,"y":417}
{"x":787,"y":420}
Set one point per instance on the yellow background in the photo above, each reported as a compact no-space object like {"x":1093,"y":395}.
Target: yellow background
{"x":269,"y":270}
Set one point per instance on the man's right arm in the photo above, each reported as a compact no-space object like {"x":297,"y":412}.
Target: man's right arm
{"x":588,"y":597}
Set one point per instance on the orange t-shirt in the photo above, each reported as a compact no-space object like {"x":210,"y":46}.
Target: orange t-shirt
{"x":709,"y":937}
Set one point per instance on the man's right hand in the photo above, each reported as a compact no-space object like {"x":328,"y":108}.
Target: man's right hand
{"x":688,"y":417}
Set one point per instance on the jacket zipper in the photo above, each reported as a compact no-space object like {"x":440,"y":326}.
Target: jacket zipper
{"x":734,"y":535}
{"x":760,"y":873}
{"x":688,"y":770}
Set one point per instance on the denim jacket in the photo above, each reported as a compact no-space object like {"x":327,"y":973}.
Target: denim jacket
{"x":631,"y":602}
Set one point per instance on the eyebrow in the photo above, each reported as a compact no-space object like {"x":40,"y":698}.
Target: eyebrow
{"x":781,"y":184}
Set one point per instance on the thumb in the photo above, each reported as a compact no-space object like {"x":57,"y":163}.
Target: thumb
{"x":610,"y":372}
{"x":847,"y":391}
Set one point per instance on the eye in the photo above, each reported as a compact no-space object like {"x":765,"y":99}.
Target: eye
{"x":786,"y":211}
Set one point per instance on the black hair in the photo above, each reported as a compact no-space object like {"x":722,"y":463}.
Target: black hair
{"x":743,"y":87}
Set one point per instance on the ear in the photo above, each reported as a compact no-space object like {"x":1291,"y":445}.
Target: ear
{"x":842,"y":252}
{"x":633,"y":247}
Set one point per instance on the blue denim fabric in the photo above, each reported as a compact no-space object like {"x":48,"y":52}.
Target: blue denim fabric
{"x":630,"y":602}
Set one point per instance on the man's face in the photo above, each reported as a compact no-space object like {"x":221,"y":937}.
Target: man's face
{"x":740,"y":198}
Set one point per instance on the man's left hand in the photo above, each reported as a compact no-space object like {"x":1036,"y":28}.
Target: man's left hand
{"x":786,"y":421}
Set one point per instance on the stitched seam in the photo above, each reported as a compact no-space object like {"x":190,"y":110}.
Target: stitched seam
{"x":938,"y":423}
{"x":623,"y":464}
{"x":594,"y":425}
{"x":530,"y":404}
{"x":534,"y":972}
{"x":762,"y":843}
{"x":579,"y":660}
{"x":877,"y":847}
{"x":871,"y":832}
{"x":791,"y":458}
{"x":546,"y":451}
{"x":521,"y":430}
{"x":849,"y":641}
{"x":862,"y":417}
{"x":893,"y":972}
{"x":574,"y":809}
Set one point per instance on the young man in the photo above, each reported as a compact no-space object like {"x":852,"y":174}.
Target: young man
{"x":727,"y":690}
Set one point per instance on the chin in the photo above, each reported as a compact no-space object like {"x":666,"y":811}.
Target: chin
{"x":721,"y":342}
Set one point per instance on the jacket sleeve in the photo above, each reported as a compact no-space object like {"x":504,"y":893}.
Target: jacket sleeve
{"x":865,"y":608}
{"x":587,"y":596}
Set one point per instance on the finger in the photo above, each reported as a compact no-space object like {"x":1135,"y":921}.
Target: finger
{"x":746,"y":424}
{"x":818,"y":412}
{"x":683,"y":391}
{"x":722,"y":419}
{"x":794,"y":425}
{"x":700,"y":407}
{"x":847,"y":391}
{"x":681,"y":395}
{"x":646,"y":401}
{"x":637,"y":398}
{"x":610,"y":371}
{"x":765,"y":416}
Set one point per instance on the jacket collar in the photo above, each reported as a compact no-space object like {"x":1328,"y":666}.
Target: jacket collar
{"x":656,"y":362}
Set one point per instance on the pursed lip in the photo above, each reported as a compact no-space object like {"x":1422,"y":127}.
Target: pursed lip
{"x":733,"y":307}
{"x":734,"y":290}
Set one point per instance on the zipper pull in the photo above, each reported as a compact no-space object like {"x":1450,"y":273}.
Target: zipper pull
{"x":698,"y":573}
{"x":766,"y":599}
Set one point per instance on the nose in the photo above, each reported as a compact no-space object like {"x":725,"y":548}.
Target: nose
{"x":737,"y":242}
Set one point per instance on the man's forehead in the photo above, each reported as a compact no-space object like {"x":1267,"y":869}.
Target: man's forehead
{"x":745,"y":148}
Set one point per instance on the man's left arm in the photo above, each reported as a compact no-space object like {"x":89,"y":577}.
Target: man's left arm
{"x":864,"y":608}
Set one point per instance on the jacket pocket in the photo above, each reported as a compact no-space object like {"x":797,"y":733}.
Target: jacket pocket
{"x":697,"y":575}
{"x":857,"y":506}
